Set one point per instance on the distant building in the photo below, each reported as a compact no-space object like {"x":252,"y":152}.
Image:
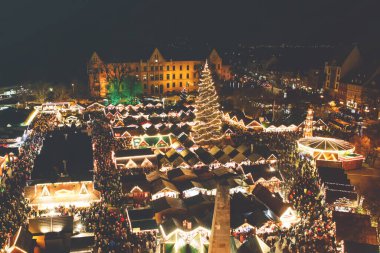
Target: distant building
{"x":360,"y":89}
{"x":353,"y":79}
{"x":158,"y":75}
{"x":338,"y":68}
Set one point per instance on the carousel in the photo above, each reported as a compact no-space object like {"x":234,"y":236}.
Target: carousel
{"x":331,"y":152}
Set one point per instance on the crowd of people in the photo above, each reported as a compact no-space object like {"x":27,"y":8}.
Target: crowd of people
{"x":110,"y":225}
{"x":14,"y":207}
{"x":112,"y":231}
{"x":106,"y":179}
{"x":315,"y":231}
{"x":109,"y":222}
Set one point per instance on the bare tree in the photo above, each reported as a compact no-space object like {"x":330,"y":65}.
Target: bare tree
{"x":61,"y":93}
{"x":115,"y":73}
{"x":41,"y":91}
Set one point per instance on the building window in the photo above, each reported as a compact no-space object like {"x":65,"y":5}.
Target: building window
{"x":144,"y":77}
{"x":173,"y":67}
{"x":187,"y":67}
{"x":180,"y":67}
{"x":151,"y":68}
{"x":167,"y":76}
{"x":145,"y":68}
{"x":187,"y":75}
{"x":137,"y":69}
{"x":167,"y":67}
{"x":155,"y":77}
{"x":180,"y":76}
{"x":180,"y":84}
{"x":161,"y":77}
{"x":151,"y":77}
{"x":173,"y":85}
{"x":161,"y":68}
{"x":156,"y":68}
{"x":173,"y":76}
{"x":145,"y":86}
{"x":168,"y":85}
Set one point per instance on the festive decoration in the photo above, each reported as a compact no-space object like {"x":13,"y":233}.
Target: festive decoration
{"x":308,"y":129}
{"x":208,"y":121}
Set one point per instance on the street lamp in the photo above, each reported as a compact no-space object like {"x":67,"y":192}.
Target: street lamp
{"x":73,"y":85}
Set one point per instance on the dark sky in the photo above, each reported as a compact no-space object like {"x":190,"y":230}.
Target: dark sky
{"x":52,"y":39}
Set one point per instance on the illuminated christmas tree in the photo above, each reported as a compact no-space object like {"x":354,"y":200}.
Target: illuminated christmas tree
{"x":308,"y":128}
{"x":208,"y":117}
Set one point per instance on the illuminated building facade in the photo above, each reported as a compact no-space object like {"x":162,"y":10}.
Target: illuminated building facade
{"x":157,"y":74}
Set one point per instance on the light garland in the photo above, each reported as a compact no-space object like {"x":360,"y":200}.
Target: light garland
{"x":208,"y":117}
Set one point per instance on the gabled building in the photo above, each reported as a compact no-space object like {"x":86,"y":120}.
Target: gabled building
{"x":158,"y":73}
{"x":339,"y":67}
{"x":51,"y":195}
{"x":135,"y":158}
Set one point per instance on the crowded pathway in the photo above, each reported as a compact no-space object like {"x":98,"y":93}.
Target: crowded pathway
{"x":108,"y":219}
{"x":14,"y":208}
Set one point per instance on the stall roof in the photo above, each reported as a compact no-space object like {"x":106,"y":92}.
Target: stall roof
{"x":134,"y":152}
{"x":355,"y":228}
{"x":273,"y":201}
{"x":166,"y":203}
{"x":264,"y":171}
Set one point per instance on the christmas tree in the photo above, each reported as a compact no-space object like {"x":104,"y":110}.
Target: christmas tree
{"x":208,"y":117}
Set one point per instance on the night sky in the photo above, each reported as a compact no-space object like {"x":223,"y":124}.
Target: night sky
{"x":52,"y":40}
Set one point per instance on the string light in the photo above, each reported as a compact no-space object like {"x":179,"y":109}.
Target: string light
{"x":208,"y":117}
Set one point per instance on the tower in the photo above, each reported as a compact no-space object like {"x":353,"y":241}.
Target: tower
{"x":220,"y":230}
{"x":308,"y":128}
